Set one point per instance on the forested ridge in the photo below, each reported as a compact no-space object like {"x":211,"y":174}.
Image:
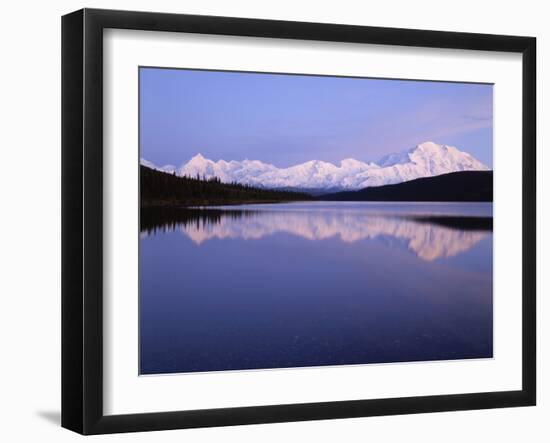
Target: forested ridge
{"x":163,"y":189}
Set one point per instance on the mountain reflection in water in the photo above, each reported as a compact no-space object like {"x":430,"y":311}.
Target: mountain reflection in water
{"x":428,"y":235}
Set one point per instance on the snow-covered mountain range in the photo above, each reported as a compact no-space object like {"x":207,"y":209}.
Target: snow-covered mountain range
{"x":425,"y":160}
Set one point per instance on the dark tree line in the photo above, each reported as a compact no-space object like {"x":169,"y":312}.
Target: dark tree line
{"x":162,"y":189}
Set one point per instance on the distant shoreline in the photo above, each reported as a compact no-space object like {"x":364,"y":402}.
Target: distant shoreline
{"x":185,"y":205}
{"x":201,"y":203}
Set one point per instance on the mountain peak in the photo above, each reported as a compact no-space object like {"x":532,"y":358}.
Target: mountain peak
{"x":198,"y":156}
{"x":429,"y":146}
{"x":199,"y":161}
{"x":432,"y":148}
{"x":352,"y":163}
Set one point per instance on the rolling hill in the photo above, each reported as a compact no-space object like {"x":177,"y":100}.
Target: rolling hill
{"x":464,"y":186}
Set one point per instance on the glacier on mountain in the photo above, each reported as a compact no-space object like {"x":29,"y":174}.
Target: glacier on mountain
{"x":425,"y":160}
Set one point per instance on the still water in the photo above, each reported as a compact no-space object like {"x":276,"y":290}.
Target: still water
{"x":310,"y":284}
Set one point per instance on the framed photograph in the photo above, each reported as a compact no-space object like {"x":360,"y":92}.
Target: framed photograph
{"x":268,"y":221}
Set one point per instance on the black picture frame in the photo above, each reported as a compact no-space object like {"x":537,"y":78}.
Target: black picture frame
{"x":82,"y":221}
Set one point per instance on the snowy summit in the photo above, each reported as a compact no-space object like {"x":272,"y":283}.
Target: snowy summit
{"x":425,"y":160}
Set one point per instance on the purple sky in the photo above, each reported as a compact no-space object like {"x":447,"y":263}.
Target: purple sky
{"x":289,"y":119}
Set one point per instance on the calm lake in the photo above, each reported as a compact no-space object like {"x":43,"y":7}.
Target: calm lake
{"x":317,"y":283}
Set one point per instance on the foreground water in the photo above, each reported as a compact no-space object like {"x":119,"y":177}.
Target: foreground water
{"x":309,"y":284}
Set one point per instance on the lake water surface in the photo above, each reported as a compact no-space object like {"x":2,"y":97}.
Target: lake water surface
{"x":317,"y":283}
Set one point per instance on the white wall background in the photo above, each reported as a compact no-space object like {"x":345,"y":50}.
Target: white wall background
{"x":30,"y":218}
